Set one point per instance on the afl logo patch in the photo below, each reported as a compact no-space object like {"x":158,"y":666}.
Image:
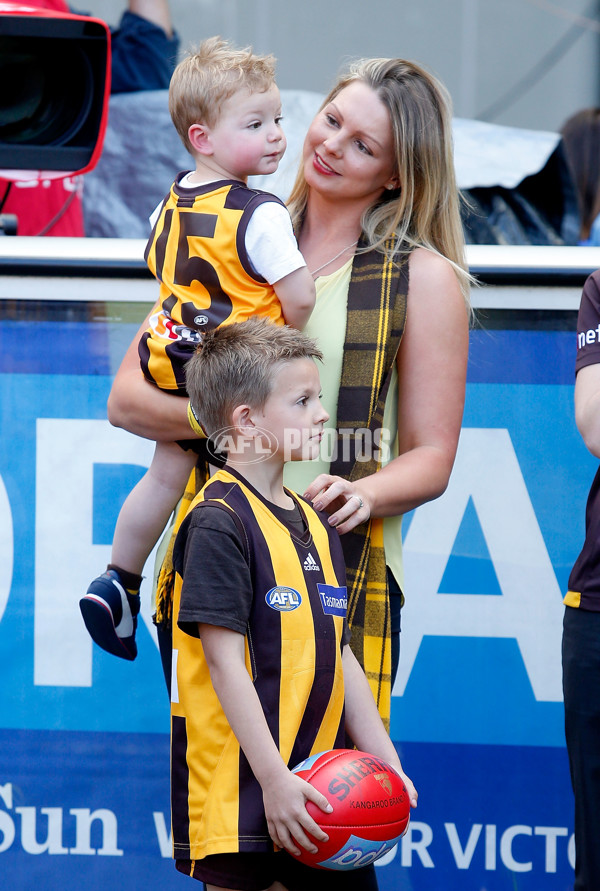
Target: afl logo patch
{"x":283,"y":599}
{"x":200,"y":321}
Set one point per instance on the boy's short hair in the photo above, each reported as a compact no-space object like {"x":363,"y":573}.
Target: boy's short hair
{"x":210,"y":75}
{"x":235,"y":366}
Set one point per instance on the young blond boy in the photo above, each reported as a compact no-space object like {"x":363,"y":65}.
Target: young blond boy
{"x":263,"y":675}
{"x":221,"y":253}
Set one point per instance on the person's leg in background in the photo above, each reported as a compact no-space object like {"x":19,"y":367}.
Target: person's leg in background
{"x":581,"y":688}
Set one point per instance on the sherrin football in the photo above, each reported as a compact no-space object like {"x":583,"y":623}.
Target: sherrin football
{"x":371,"y":808}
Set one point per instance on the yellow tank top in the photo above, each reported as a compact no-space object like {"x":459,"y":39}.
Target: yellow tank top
{"x":327,"y":325}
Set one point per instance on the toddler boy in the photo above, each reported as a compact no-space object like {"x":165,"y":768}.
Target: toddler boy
{"x":221,"y":253}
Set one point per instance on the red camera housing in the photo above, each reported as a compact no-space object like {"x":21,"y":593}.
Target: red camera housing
{"x":54,"y":91}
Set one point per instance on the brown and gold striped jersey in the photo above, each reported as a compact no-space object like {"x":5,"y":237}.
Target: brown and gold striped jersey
{"x":197,"y":253}
{"x":287,"y":592}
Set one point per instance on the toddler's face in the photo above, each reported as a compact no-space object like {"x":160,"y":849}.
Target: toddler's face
{"x":247,"y":138}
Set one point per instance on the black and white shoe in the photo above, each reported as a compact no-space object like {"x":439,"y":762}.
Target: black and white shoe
{"x":110,"y":615}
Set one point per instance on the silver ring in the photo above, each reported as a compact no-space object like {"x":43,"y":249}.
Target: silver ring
{"x":360,"y":501}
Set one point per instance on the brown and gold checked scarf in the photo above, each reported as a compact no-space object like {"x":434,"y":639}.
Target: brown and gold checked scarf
{"x":166,"y":577}
{"x":374,"y":327}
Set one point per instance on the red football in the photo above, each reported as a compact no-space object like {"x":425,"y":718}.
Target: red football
{"x":371,"y":808}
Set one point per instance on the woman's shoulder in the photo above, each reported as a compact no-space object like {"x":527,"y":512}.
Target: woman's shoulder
{"x":437,"y":312}
{"x":429,"y":269}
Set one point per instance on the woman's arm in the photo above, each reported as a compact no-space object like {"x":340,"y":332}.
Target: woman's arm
{"x":363,"y":722}
{"x":432,"y":365}
{"x":284,"y":794}
{"x":140,"y":407}
{"x":587,"y":406}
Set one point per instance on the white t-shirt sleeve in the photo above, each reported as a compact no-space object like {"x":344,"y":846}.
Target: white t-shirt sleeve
{"x":154,"y":215}
{"x":270,"y":242}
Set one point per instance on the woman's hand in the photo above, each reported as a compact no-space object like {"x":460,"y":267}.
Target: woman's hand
{"x":347,"y":504}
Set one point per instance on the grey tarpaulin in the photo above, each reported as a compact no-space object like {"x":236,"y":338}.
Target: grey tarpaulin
{"x":515,"y":180}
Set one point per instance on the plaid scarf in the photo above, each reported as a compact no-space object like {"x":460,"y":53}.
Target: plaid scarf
{"x":375,"y":323}
{"x":165,"y":583}
{"x":376,"y":316}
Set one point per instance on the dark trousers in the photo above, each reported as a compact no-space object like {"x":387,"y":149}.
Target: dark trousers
{"x":581,"y":689}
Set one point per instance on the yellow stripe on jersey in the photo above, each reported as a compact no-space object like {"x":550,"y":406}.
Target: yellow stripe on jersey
{"x":572,"y":598}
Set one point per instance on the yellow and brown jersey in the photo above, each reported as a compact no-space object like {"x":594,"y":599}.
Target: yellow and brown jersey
{"x":285,"y":591}
{"x":197,"y":252}
{"x":584,"y":580}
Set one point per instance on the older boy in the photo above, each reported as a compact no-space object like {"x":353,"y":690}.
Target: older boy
{"x":262,"y":673}
{"x":221,"y":252}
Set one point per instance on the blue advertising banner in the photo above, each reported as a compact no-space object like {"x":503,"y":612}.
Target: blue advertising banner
{"x":477,"y":711}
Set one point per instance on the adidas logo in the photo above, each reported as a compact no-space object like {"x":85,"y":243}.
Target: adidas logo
{"x":311,"y":563}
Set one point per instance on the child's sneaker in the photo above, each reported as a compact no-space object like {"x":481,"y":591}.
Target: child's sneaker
{"x":110,"y":615}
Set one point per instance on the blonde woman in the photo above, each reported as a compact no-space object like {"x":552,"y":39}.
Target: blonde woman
{"x":376,"y":211}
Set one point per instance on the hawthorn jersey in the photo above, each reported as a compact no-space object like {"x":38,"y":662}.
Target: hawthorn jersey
{"x":197,"y":252}
{"x":238,"y":565}
{"x":584,"y":580}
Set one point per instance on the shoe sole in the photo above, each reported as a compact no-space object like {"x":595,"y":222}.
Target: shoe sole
{"x":99,"y":623}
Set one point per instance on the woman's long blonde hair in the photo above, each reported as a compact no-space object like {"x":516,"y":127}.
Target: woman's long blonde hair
{"x":425,"y":210}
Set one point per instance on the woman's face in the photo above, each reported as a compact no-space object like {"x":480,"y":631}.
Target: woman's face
{"x":348,"y":150}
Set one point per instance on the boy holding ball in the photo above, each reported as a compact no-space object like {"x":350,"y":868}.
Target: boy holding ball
{"x":263,"y":676}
